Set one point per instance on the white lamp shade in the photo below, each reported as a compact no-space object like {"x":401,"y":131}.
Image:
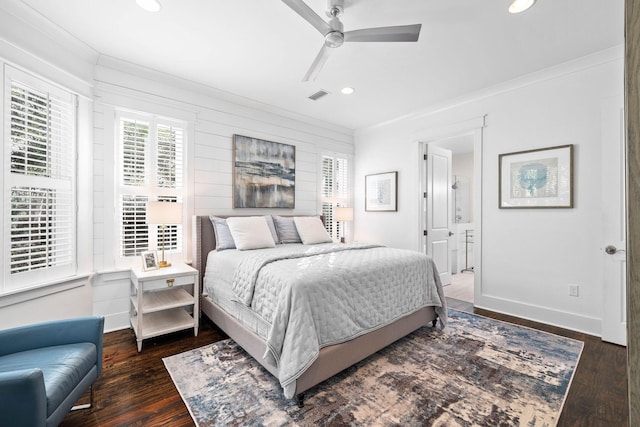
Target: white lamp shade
{"x":164,"y":213}
{"x":344,"y":214}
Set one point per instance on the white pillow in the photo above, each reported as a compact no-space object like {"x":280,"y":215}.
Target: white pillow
{"x":311,"y":230}
{"x":250,"y":232}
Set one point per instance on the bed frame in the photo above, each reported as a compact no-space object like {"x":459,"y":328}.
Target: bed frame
{"x":332,"y":359}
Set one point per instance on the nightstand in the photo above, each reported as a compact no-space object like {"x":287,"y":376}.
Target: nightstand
{"x":164,"y":301}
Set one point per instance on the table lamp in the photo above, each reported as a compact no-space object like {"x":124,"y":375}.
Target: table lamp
{"x":163,"y":213}
{"x":343,"y":215}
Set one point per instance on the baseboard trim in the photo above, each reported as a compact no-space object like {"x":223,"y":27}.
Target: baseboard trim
{"x":116,"y":322}
{"x":562,"y":319}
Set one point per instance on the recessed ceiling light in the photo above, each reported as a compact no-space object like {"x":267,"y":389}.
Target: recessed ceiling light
{"x":518,"y":6}
{"x":149,"y":5}
{"x":347,"y":90}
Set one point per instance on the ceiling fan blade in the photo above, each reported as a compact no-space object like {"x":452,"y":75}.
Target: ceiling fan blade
{"x":401,"y":33}
{"x":309,"y":15}
{"x":317,"y":65}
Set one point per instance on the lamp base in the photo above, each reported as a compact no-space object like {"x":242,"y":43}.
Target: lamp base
{"x":164,"y":264}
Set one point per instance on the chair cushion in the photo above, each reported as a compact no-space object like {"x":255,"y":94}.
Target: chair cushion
{"x":63,"y":367}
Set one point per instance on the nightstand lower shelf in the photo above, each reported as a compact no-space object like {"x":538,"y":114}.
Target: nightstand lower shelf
{"x":162,"y":322}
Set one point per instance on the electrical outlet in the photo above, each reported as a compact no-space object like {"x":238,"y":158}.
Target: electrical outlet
{"x":573,"y":290}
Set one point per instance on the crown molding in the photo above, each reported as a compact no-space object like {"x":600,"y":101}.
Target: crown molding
{"x":586,"y":62}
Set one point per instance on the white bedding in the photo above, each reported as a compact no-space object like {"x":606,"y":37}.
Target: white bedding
{"x":344,"y":291}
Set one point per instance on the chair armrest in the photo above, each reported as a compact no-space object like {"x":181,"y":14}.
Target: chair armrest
{"x":59,"y":332}
{"x":23,"y":399}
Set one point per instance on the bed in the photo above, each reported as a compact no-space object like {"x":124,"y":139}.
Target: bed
{"x":300,"y":356}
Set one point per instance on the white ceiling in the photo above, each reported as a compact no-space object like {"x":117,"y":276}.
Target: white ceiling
{"x":260,"y":49}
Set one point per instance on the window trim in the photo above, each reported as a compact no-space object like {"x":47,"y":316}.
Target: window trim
{"x":38,"y":278}
{"x":182,"y":195}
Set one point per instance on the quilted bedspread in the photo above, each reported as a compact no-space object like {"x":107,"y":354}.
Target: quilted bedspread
{"x":321,"y":295}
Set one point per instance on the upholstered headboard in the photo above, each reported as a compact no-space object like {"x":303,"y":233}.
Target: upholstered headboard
{"x":203,"y":241}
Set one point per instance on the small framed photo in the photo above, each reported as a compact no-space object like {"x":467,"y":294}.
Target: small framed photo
{"x":541,"y":178}
{"x":381,"y":192}
{"x":149,"y":260}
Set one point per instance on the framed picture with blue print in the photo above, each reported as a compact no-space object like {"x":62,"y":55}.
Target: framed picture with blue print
{"x":540,"y":178}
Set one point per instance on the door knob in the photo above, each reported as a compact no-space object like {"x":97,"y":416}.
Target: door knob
{"x":612,"y":250}
{"x":451,"y":233}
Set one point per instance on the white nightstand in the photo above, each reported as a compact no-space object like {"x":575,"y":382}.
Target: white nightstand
{"x":163,"y":301}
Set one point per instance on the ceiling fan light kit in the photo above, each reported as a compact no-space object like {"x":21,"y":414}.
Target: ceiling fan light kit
{"x":518,"y":6}
{"x":335,"y":36}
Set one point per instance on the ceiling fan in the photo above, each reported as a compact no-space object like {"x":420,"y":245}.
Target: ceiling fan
{"x":335,"y":36}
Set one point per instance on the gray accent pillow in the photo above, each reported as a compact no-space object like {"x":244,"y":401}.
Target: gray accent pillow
{"x":224,"y":239}
{"x":286,"y":228}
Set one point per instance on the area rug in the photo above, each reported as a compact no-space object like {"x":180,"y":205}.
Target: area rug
{"x":476,"y":372}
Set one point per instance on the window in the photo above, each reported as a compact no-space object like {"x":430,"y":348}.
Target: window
{"x":40,"y":182}
{"x":151,"y":153}
{"x":335,"y":190}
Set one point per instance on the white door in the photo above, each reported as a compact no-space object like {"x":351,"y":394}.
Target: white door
{"x":614,"y":313}
{"x":439,"y":206}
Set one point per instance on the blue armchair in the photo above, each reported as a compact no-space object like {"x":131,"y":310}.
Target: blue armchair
{"x":45,"y":369}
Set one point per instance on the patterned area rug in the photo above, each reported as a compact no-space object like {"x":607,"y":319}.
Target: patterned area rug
{"x":478,"y":371}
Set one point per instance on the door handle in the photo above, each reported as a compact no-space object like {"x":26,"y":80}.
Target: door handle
{"x":450,"y":233}
{"x":612,"y":250}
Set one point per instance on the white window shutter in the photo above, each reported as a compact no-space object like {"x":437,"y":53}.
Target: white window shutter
{"x":335,"y":190}
{"x":134,"y":236}
{"x":135,"y":138}
{"x":41,"y":182}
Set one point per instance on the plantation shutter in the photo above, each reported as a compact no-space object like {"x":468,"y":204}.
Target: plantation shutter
{"x":41,"y":181}
{"x":135,"y":137}
{"x":169,"y":160}
{"x":134,"y":235}
{"x":335,"y":190}
{"x":152,"y":165}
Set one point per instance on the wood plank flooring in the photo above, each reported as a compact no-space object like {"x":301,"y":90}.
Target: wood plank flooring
{"x":461,"y":287}
{"x":136,"y":390}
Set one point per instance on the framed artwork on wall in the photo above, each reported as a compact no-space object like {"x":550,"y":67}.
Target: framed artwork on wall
{"x":381,"y":192}
{"x":541,"y":178}
{"x":264,"y":173}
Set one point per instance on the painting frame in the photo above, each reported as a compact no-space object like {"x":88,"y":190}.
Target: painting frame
{"x":541,"y":178}
{"x":263,"y":174}
{"x":381,"y":192}
{"x":149,"y":260}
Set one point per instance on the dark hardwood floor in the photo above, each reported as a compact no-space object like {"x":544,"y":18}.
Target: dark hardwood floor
{"x":136,"y":390}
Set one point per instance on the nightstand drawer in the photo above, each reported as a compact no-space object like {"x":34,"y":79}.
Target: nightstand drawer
{"x":168,"y":282}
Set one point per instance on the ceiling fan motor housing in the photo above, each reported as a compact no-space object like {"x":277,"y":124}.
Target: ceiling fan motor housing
{"x":334,"y":38}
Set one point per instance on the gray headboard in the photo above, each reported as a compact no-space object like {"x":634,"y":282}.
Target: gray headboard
{"x":203,"y":241}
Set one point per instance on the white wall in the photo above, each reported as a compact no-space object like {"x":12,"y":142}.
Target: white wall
{"x":528,"y":256}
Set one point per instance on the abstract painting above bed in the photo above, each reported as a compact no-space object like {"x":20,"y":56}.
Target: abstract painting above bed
{"x":264,"y":173}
